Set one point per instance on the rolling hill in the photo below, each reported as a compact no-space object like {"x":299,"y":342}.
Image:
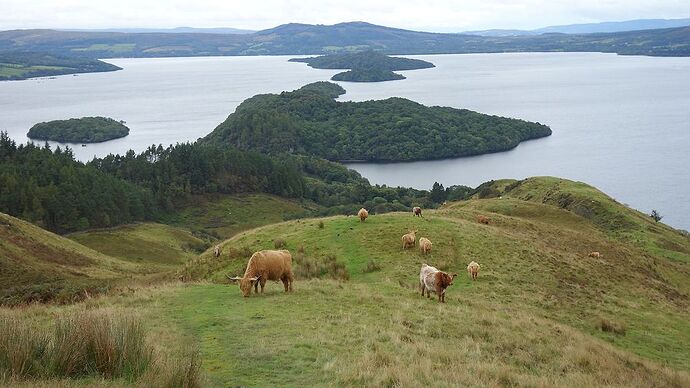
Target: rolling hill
{"x":295,"y":38}
{"x":542,"y":313}
{"x":37,"y":265}
{"x":588,"y":28}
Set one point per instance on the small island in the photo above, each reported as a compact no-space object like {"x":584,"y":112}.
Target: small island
{"x":365,"y":66}
{"x":83,"y":130}
{"x":16,"y":66}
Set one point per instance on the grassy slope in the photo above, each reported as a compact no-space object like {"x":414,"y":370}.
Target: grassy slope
{"x":226,"y":215}
{"x":34,"y":261}
{"x":530,"y":319}
{"x":147,"y":242}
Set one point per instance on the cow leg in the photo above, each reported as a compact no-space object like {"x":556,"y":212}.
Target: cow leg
{"x":256,"y":287}
{"x":286,"y":283}
{"x":263,"y":283}
{"x":421,"y":285}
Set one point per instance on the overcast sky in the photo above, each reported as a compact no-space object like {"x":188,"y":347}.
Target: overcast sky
{"x":427,"y":15}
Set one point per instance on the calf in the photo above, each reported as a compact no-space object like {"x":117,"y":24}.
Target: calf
{"x":417,"y":211}
{"x":433,"y":280}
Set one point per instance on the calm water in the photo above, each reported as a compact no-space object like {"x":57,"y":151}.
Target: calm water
{"x":620,"y":123}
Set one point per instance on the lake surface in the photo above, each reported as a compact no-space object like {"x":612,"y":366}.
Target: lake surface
{"x":620,"y":123}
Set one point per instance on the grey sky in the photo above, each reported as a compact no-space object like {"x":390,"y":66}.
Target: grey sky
{"x":429,"y":15}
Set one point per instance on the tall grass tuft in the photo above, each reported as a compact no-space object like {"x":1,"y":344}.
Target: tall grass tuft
{"x":309,"y":268}
{"x":611,"y":326}
{"x":98,"y":343}
{"x":178,"y":373}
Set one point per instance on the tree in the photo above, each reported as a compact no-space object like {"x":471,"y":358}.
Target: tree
{"x":438,"y":193}
{"x":656,"y":216}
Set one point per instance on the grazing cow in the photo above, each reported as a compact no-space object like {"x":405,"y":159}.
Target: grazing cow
{"x":363,"y":214}
{"x":473,"y":269}
{"x":425,"y":245}
{"x":409,"y":240}
{"x":417,"y":211}
{"x":483,"y":220}
{"x":594,"y":254}
{"x":216,"y":251}
{"x":433,"y":280}
{"x":264,"y":266}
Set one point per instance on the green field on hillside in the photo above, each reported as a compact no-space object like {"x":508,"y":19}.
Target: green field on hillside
{"x":225,"y":215}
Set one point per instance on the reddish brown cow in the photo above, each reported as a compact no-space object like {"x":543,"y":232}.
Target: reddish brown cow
{"x":417,"y":211}
{"x":264,"y":266}
{"x":594,"y":254}
{"x":483,"y":220}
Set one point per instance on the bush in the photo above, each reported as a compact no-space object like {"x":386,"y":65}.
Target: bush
{"x":309,"y":268}
{"x":321,"y":225}
{"x":279,"y":243}
{"x":611,"y":327}
{"x":371,"y":266}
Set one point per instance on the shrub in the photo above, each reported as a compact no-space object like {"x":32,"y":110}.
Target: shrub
{"x":656,"y":216}
{"x":309,"y":268}
{"x":372,"y":266}
{"x":321,"y":225}
{"x":611,"y":327}
{"x":279,"y":243}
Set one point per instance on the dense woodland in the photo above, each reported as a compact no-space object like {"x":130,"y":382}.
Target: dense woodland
{"x":365,"y":66}
{"x":309,"y":121}
{"x":83,"y":130}
{"x":50,"y":188}
{"x":368,"y":59}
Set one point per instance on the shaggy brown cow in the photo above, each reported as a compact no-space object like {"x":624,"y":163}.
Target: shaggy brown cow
{"x":425,"y":245}
{"x":363,"y":214}
{"x":409,"y":240}
{"x":433,"y":280}
{"x":483,"y":220}
{"x":473,"y":269}
{"x":594,"y":254}
{"x":216,"y":251}
{"x":417,"y":211}
{"x":264,"y":266}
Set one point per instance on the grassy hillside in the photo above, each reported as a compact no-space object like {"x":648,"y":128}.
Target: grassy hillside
{"x":144,"y":243}
{"x":42,"y":266}
{"x":223,"y":216}
{"x":542,"y":311}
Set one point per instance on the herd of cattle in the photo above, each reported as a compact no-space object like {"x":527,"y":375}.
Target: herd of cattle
{"x":276,"y":265}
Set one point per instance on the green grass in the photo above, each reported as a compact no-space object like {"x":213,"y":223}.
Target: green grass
{"x":226,"y":215}
{"x":13,"y":70}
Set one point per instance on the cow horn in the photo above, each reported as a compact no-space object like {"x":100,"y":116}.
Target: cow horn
{"x":234,"y":279}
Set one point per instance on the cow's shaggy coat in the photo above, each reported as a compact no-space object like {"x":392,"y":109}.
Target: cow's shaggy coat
{"x":264,"y":266}
{"x":433,"y":280}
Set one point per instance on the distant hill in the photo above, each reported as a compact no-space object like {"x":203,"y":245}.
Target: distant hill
{"x":306,"y":39}
{"x":588,"y":28}
{"x":309,"y":121}
{"x":366,"y":66}
{"x":22,"y":65}
{"x":176,"y":30}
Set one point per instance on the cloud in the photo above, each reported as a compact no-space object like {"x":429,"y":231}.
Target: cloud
{"x":430,"y":15}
